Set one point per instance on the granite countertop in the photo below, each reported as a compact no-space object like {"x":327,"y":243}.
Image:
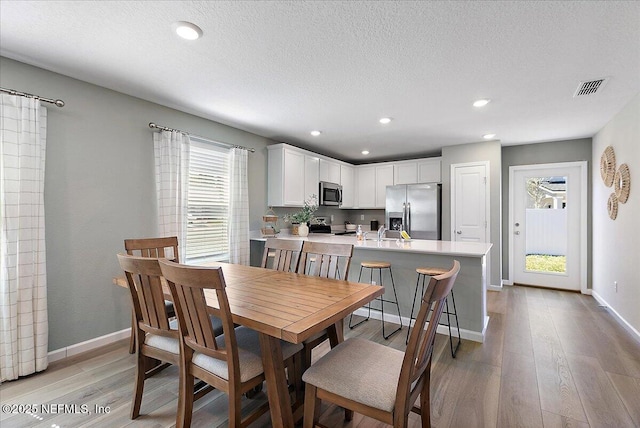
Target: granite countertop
{"x":469,"y":249}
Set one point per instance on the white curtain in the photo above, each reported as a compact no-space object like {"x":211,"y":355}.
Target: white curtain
{"x":23,"y":281}
{"x":171,"y":150}
{"x":239,"y":207}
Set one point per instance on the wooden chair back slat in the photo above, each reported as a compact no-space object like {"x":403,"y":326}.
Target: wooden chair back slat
{"x":145,"y":286}
{"x":153,"y":247}
{"x":188,"y":285}
{"x":417,"y":358}
{"x":325,"y":260}
{"x":281,"y":254}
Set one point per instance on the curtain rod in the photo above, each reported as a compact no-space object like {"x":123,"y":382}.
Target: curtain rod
{"x":59,"y":103}
{"x":164,"y":128}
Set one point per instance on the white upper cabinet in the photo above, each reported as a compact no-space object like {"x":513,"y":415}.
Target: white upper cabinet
{"x":371,"y":185}
{"x":365,"y":186}
{"x":329,"y":171}
{"x":405,"y":172}
{"x":347,"y":180}
{"x":384,"y":178}
{"x":311,"y":176}
{"x":292,"y":176}
{"x":417,"y":171}
{"x":429,"y":170}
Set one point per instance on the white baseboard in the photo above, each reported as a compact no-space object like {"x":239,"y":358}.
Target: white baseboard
{"x":620,"y":319}
{"x":442,"y":329}
{"x":494,"y":287}
{"x":507,"y":282}
{"x":88,"y":345}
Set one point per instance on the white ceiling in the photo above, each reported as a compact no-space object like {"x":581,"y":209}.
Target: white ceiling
{"x":281,"y":69}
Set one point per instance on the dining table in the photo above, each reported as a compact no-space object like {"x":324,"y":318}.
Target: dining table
{"x":285,"y":306}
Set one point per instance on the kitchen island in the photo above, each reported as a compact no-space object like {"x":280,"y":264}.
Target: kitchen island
{"x":405,"y":256}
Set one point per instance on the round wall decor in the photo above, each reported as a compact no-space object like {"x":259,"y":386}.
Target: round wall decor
{"x":622,"y":183}
{"x":608,"y":166}
{"x":612,"y":206}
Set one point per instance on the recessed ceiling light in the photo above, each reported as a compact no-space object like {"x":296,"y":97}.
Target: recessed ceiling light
{"x":385,"y":120}
{"x":187,"y":30}
{"x":365,"y":152}
{"x":315,"y":133}
{"x":488,"y":136}
{"x":481,"y":103}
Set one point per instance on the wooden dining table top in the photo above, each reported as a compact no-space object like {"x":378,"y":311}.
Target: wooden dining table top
{"x":285,"y":305}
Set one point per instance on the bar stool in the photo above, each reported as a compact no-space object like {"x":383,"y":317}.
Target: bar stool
{"x":423,"y":273}
{"x":372,"y":265}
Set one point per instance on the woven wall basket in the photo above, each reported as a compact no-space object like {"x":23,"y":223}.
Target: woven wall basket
{"x":612,"y":206}
{"x":608,"y":166}
{"x":622,"y":183}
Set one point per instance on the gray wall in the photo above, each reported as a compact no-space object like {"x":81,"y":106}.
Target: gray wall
{"x":540,"y":153}
{"x":486,"y":151}
{"x":616,"y":248}
{"x":99,"y":190}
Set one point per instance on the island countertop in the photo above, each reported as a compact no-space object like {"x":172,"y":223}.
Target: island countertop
{"x":421,"y":246}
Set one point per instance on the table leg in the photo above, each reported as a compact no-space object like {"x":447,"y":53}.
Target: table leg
{"x":277,"y":390}
{"x":336,"y":333}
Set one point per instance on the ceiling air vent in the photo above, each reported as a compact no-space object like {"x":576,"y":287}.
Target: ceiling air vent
{"x":590,"y":87}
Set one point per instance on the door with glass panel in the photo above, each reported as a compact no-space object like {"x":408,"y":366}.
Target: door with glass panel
{"x":548,"y":225}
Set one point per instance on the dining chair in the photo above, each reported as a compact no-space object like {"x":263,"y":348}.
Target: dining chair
{"x":379,"y":381}
{"x":231,"y":362}
{"x":157,"y":337}
{"x":326,"y":261}
{"x":152,"y":247}
{"x":281,"y":254}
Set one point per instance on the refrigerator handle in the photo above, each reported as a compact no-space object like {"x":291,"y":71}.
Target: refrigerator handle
{"x":409,"y":217}
{"x":404,"y":216}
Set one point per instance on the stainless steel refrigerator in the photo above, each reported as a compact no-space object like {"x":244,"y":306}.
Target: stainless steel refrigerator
{"x":414,"y":208}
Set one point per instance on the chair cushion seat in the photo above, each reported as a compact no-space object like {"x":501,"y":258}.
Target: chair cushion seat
{"x":249,"y":355}
{"x":359,"y":370}
{"x":172,"y":345}
{"x":169,"y":344}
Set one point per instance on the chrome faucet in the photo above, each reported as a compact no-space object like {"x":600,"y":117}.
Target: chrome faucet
{"x":381,"y":232}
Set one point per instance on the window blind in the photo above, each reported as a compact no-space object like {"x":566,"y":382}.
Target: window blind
{"x":208,"y":204}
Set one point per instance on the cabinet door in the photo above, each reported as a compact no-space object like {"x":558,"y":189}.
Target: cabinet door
{"x":347,"y":178}
{"x":384,"y":178}
{"x":329,"y":171}
{"x":429,"y":170}
{"x":405,"y":172}
{"x":294,"y":179}
{"x":366,"y":191}
{"x":311,"y":176}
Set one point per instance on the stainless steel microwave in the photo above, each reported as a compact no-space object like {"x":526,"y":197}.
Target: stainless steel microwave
{"x":330,"y":194}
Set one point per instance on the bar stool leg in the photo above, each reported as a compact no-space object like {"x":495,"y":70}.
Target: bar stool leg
{"x":395,"y":295}
{"x":415,"y":296}
{"x":455,"y":313}
{"x":368,"y":304}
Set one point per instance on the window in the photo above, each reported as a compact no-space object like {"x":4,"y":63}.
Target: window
{"x":208,"y":203}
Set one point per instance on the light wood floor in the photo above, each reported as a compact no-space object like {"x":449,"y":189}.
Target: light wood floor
{"x":551,"y":358}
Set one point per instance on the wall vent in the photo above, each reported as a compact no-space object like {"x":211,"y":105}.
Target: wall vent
{"x":590,"y":87}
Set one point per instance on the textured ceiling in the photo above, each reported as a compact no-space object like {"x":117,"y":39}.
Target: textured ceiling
{"x":281,"y":69}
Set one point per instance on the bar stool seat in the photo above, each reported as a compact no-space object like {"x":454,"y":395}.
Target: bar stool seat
{"x":379,"y":265}
{"x":424,"y":272}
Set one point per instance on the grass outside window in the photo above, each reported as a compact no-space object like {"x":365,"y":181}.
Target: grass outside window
{"x":546,"y":263}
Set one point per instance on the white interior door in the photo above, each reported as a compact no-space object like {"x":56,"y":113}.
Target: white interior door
{"x":548,"y":225}
{"x":469,"y":203}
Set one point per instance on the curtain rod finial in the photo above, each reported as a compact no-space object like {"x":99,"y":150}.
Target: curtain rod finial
{"x":59,"y":103}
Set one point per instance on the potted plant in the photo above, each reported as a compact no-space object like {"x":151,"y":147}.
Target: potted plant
{"x":304,"y":216}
